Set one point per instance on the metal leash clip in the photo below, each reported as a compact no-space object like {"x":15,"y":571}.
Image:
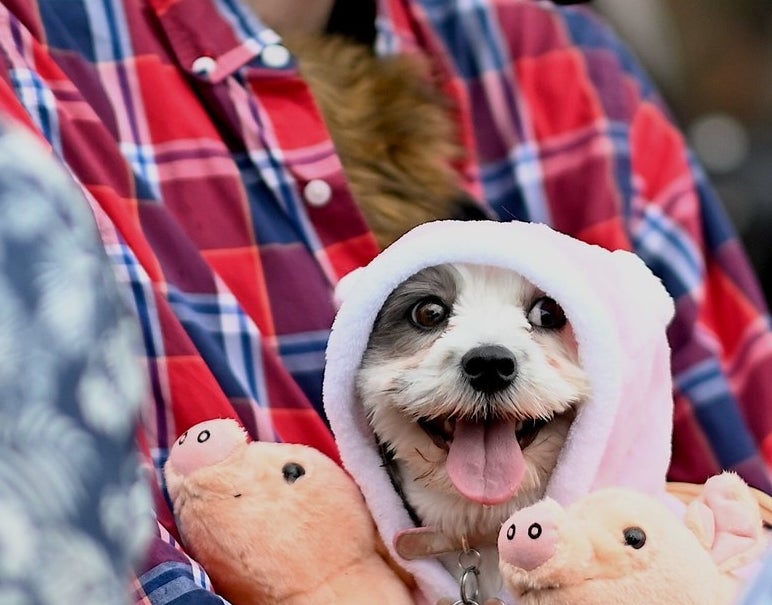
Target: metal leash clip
{"x":469,"y":562}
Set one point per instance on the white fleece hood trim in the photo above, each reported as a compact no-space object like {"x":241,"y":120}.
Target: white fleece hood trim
{"x":619,"y":311}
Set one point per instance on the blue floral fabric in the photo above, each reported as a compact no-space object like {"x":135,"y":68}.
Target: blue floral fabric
{"x":75,"y":511}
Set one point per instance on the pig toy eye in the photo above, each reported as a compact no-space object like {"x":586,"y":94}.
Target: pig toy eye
{"x":511,"y":532}
{"x":292,"y":471}
{"x":635,"y":537}
{"x":534,"y":532}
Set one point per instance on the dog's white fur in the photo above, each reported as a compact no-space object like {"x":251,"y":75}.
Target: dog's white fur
{"x":423,"y":378}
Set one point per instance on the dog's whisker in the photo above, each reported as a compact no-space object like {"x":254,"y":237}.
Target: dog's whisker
{"x":395,"y":390}
{"x":426,"y":459}
{"x":423,"y":476}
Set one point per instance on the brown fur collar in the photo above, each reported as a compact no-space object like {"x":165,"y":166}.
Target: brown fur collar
{"x":393,"y":131}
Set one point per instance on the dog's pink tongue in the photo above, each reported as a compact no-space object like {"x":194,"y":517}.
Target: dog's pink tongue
{"x":485,"y":462}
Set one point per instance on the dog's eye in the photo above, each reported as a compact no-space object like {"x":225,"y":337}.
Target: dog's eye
{"x":546,"y":313}
{"x":635,"y":537}
{"x":428,"y":313}
{"x":292,"y":471}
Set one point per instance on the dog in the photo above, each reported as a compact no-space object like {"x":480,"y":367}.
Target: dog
{"x":459,"y":354}
{"x":470,"y":381}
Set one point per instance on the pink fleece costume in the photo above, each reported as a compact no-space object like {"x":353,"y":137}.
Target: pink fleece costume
{"x":619,"y":311}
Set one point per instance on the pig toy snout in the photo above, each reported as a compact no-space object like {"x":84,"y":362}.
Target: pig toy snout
{"x":205,"y":444}
{"x":529,"y":538}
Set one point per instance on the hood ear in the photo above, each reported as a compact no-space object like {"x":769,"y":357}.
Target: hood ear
{"x":643,"y":285}
{"x":347,"y":284}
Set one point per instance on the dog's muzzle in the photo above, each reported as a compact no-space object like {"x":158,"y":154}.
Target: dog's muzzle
{"x":485,"y":459}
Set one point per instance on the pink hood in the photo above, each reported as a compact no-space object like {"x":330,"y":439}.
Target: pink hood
{"x":619,"y":311}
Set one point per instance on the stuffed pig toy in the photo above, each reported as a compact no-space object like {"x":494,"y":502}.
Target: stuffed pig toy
{"x":620,"y":546}
{"x":275,"y":523}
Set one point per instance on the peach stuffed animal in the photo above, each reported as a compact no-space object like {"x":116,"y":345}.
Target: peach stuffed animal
{"x":619,"y":546}
{"x":275,"y":523}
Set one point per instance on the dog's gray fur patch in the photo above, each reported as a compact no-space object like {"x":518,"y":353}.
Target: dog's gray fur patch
{"x":392,"y":333}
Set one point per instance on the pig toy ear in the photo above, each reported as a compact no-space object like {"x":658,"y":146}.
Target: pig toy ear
{"x":726,"y":518}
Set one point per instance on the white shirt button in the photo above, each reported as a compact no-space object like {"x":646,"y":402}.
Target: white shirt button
{"x":317,"y":192}
{"x":275,"y":55}
{"x":204,"y":67}
{"x":268,"y":36}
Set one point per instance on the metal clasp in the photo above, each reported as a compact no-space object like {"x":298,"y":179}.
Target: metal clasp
{"x":469,"y":562}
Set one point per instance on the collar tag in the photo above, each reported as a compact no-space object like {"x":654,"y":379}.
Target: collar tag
{"x":422,"y":542}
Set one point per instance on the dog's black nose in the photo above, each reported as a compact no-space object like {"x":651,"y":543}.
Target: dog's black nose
{"x":489,"y":368}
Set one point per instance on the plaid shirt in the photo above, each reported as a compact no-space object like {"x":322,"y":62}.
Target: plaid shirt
{"x":173,"y":117}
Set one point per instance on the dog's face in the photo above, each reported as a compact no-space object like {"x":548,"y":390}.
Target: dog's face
{"x":470,"y":379}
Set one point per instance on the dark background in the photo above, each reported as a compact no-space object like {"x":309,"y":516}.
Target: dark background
{"x":712,"y":59}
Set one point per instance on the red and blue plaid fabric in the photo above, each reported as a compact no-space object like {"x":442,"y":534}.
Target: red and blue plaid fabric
{"x":197,"y":178}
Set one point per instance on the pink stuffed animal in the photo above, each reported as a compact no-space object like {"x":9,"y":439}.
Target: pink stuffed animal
{"x":275,"y":523}
{"x":619,"y":546}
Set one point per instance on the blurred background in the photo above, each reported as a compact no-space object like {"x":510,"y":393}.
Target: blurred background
{"x":712,"y":59}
